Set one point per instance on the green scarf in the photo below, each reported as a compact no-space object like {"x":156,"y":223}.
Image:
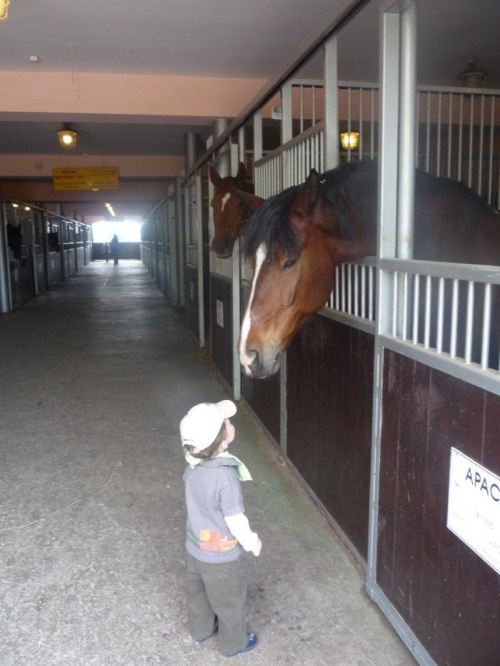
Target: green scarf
{"x":241,"y":468}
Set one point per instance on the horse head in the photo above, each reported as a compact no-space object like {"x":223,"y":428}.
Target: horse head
{"x":293,"y":243}
{"x":230,"y":211}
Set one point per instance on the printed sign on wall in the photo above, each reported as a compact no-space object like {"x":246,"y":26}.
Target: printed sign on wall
{"x":474,"y":507}
{"x":94,"y":178}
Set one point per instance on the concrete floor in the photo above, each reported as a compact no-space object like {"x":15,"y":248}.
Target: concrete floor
{"x":95,"y":376}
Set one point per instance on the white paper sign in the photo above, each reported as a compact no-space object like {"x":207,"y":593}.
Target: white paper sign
{"x":220,"y":313}
{"x":474,"y":507}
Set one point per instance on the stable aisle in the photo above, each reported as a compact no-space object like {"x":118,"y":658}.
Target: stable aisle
{"x":95,"y":376}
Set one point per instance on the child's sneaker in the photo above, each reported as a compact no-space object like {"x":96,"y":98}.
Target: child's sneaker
{"x":253,"y":639}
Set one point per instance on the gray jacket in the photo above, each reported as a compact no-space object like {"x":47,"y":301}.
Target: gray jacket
{"x":212,"y":491}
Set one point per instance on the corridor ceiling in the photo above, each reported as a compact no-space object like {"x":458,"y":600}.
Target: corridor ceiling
{"x":222,"y":38}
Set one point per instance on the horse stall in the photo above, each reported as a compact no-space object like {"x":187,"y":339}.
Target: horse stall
{"x":385,"y":401}
{"x":30,"y":254}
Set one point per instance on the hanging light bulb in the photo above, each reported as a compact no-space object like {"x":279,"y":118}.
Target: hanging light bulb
{"x":472,"y":77}
{"x":67,"y":137}
{"x":349,"y":140}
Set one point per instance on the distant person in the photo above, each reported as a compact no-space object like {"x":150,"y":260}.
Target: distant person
{"x":106,"y":251}
{"x":114,"y":249}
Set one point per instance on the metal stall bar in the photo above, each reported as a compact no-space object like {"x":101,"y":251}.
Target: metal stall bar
{"x":396,"y":175}
{"x":237,"y":156}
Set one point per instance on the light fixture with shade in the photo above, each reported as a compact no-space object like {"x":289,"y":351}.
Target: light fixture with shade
{"x":4,"y":9}
{"x":67,"y":137}
{"x":472,"y":77}
{"x":349,"y":140}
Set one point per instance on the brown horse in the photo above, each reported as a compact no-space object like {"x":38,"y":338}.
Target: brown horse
{"x":230,"y":210}
{"x":296,"y":238}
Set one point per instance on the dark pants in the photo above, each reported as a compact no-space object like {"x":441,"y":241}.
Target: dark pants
{"x":218,"y":590}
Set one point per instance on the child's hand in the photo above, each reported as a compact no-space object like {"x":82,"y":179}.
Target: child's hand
{"x":258,"y":548}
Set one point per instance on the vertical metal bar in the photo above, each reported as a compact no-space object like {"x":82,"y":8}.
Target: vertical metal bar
{"x":5,"y":285}
{"x":485,"y":344}
{"x":450,"y":130}
{"x":480,"y":156}
{"x":236,"y":318}
{"x":349,"y":288}
{"x":313,"y":92}
{"x":406,"y":163}
{"x":427,"y":324}
{"x":405,"y":305}
{"x":469,"y":321}
{"x":331,"y":118}
{"x":199,"y":241}
{"x":490,"y":172}
{"x":395,"y":292}
{"x":386,"y":214}
{"x":416,"y":306}
{"x":471,"y":134}
{"x":360,"y":153}
{"x":301,"y":124}
{"x":337,"y":287}
{"x":454,"y":319}
{"x":440,"y":316}
{"x":349,"y":122}
{"x":438,"y":151}
{"x":257,"y":136}
{"x":371,"y":292}
{"x":363,"y":292}
{"x":460,"y":136}
{"x":428,"y":139}
{"x":372,"y":126}
{"x":417,"y":128}
{"x":343,"y":288}
{"x":242,"y":146}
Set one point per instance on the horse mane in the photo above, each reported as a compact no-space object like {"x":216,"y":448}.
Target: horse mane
{"x":270,"y":224}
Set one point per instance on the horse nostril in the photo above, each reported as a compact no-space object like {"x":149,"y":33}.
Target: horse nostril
{"x":253,"y":356}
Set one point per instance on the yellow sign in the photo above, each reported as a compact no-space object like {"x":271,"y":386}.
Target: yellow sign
{"x":95,"y":178}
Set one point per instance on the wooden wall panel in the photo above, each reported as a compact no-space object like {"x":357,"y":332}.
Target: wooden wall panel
{"x":329,"y":407}
{"x":221,"y":336}
{"x":448,"y":595}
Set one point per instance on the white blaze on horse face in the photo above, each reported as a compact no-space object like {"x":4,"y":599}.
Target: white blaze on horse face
{"x":245,"y":359}
{"x":225,"y":199}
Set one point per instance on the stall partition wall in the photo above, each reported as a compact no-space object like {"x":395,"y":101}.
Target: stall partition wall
{"x":436,"y":395}
{"x":162,"y":249}
{"x":38,"y":263}
{"x":437,"y":584}
{"x":196,"y":261}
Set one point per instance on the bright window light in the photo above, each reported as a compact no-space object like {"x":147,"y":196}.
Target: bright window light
{"x":127,"y":232}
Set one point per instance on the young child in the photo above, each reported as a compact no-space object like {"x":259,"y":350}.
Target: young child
{"x":217,"y":529}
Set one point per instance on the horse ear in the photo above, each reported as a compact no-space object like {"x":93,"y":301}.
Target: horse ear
{"x":241,"y":176}
{"x":308,"y":194}
{"x":214,"y":176}
{"x":250,"y":201}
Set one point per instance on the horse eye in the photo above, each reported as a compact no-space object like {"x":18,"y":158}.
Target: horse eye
{"x":289,"y":263}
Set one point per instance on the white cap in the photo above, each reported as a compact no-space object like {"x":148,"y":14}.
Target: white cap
{"x":203,"y":422}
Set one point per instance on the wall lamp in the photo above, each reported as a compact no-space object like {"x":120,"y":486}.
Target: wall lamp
{"x":349,"y":140}
{"x":4,"y":9}
{"x":67,"y":137}
{"x":472,"y":77}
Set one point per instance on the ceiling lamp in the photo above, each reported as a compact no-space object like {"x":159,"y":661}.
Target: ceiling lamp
{"x":349,"y":140}
{"x":67,"y":137}
{"x":472,"y":77}
{"x":4,"y":9}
